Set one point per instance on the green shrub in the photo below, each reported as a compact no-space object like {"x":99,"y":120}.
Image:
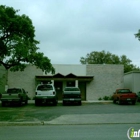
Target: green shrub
{"x":100,"y":98}
{"x":106,"y":97}
{"x":110,"y":97}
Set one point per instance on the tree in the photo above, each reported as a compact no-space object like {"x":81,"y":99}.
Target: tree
{"x":17,"y":44}
{"x":137,"y":35}
{"x":108,"y":58}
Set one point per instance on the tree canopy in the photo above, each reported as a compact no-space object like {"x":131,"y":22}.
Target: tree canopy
{"x":103,"y":57}
{"x":18,"y":46}
{"x":137,"y":35}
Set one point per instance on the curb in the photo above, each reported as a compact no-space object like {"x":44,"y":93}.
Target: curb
{"x":20,"y":123}
{"x":46,"y":123}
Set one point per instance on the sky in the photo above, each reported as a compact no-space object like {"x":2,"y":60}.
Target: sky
{"x":70,"y":29}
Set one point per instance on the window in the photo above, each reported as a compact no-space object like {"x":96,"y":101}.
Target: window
{"x":71,"y":84}
{"x":45,"y":87}
{"x":13,"y":90}
{"x":124,"y":91}
{"x":71,"y":89}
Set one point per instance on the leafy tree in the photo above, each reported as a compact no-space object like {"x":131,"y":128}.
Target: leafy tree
{"x":108,"y":58}
{"x":137,"y":35}
{"x":17,"y":42}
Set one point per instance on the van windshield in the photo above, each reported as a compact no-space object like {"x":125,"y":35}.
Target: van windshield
{"x":123,"y":91}
{"x":71,"y":89}
{"x":45,"y":87}
{"x":13,"y":90}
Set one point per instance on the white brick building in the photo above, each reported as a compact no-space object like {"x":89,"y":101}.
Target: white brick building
{"x":94,"y":80}
{"x":132,"y":81}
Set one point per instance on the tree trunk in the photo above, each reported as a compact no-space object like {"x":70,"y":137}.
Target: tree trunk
{"x":6,"y":83}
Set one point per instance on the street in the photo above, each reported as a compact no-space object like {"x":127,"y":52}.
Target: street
{"x":99,"y":121}
{"x":67,"y":132}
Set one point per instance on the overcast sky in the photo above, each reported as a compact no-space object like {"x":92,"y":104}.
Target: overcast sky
{"x":69,"y":29}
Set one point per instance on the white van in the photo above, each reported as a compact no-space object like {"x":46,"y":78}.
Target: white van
{"x":45,"y":93}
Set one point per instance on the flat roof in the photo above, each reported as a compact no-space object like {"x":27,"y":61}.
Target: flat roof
{"x":132,"y":72}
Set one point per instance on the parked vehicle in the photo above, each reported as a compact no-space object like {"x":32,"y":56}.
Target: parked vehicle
{"x":14,"y":95}
{"x":138,"y":94}
{"x":45,"y":93}
{"x":124,"y":96}
{"x":72,"y":95}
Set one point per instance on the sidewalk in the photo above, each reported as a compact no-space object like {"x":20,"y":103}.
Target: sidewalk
{"x":89,"y":119}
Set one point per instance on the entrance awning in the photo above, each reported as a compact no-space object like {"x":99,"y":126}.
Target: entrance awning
{"x":61,"y":77}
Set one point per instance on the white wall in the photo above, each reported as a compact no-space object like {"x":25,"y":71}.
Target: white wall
{"x":129,"y":81}
{"x":79,"y":70}
{"x":132,"y":81}
{"x":136,"y":82}
{"x":24,"y":79}
{"x":107,"y":78}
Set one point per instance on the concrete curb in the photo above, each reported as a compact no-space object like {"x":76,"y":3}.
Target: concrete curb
{"x":46,"y":123}
{"x":20,"y":123}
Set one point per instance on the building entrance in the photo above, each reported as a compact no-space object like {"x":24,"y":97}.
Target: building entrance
{"x":59,"y":89}
{"x":82,"y":86}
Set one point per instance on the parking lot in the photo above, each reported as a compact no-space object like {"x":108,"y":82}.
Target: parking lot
{"x":54,"y":114}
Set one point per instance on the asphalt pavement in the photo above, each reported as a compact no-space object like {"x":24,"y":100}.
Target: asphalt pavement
{"x":85,"y":119}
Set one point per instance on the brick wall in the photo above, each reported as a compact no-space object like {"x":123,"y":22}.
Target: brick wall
{"x":107,"y":78}
{"x":24,"y":79}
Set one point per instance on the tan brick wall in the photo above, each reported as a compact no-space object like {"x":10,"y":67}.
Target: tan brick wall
{"x":24,"y":79}
{"x":107,"y":78}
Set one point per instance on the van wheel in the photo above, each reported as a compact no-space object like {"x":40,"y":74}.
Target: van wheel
{"x":26,"y":102}
{"x":20,"y":103}
{"x":55,"y":103}
{"x":37,"y":102}
{"x":3,"y":104}
{"x":119,"y":102}
{"x":80,"y":103}
{"x":64,"y":103}
{"x":114,"y":101}
{"x":133,"y":102}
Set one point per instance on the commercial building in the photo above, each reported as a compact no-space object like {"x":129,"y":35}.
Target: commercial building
{"x":132,"y":81}
{"x":94,"y":80}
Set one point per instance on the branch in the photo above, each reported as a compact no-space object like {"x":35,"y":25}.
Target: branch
{"x":5,"y":65}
